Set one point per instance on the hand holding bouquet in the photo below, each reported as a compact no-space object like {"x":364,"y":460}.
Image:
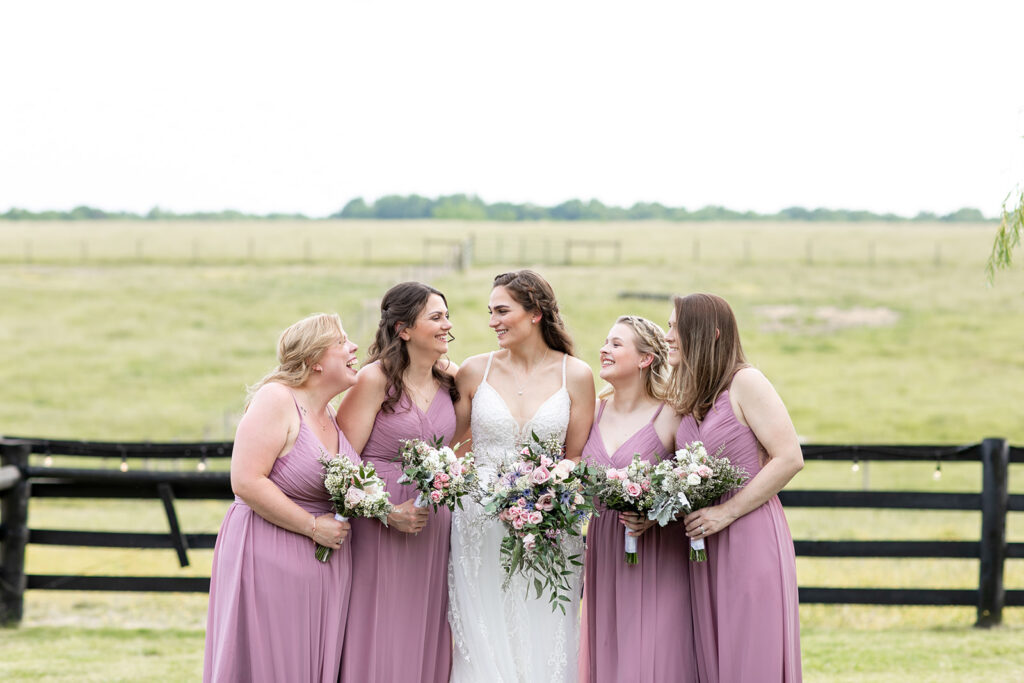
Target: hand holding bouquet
{"x":355,"y":491}
{"x":628,"y":489}
{"x":692,"y":480}
{"x":441,"y":477}
{"x":539,"y":498}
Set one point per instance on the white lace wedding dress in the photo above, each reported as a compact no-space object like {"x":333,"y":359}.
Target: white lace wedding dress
{"x":504,"y":636}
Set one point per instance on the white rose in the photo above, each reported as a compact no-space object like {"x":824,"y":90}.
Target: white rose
{"x":693,"y":479}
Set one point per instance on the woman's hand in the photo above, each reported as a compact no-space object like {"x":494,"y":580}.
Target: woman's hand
{"x":408,"y":518}
{"x":707,"y":521}
{"x":330,"y":532}
{"x":636,"y":524}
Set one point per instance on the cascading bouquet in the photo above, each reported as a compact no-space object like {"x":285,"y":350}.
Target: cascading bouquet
{"x":539,"y":497}
{"x":629,"y":489}
{"x":441,"y":477}
{"x":355,"y":491}
{"x":692,"y":480}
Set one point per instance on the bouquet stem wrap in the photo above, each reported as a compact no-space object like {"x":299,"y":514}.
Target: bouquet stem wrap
{"x":631,"y":554}
{"x":421,"y":500}
{"x":697,"y":552}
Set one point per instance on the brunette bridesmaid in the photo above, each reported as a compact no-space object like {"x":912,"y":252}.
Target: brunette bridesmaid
{"x":637,"y":624}
{"x":398,"y":627}
{"x":745,"y":603}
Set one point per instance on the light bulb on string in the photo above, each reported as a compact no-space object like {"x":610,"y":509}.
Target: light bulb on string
{"x":201,"y":465}
{"x":48,"y":460}
{"x":124,"y":463}
{"x":856,"y":465}
{"x":937,"y":474}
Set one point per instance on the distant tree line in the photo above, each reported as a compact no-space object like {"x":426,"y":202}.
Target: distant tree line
{"x":472,"y":208}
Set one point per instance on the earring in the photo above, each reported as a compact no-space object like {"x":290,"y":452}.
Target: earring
{"x":536,"y":320}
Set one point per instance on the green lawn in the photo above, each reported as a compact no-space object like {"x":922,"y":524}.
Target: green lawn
{"x":871,"y":333}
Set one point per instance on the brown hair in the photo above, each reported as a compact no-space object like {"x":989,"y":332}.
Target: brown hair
{"x":648,"y":338}
{"x":299,"y":347}
{"x":710,"y":350}
{"x":399,"y":308}
{"x":534,"y":293}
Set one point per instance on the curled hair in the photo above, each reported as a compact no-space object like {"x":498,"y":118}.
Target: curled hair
{"x":399,"y":309}
{"x":299,"y":347}
{"x":710,"y":350}
{"x":648,"y":339}
{"x":534,"y":293}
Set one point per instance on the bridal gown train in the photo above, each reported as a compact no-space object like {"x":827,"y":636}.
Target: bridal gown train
{"x":506,"y":636}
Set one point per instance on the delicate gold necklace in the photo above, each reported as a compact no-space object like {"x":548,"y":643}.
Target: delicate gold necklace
{"x":323,"y":427}
{"x":521,"y":387}
{"x":417,"y":394}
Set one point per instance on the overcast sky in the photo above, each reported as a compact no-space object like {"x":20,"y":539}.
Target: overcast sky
{"x":299,"y":107}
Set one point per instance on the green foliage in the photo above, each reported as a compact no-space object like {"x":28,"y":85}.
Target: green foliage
{"x":1007,"y":238}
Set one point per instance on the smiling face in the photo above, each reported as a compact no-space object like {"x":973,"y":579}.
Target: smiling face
{"x":619,"y":355}
{"x":430,"y":331}
{"x":509,"y":320}
{"x":672,"y":339}
{"x":339,"y":362}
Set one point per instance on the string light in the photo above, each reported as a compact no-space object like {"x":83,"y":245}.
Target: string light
{"x":124,"y":463}
{"x":48,"y":460}
{"x":937,"y":474}
{"x":201,"y":465}
{"x":856,"y":465}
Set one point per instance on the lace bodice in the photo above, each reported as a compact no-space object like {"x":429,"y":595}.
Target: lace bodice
{"x":497,"y":435}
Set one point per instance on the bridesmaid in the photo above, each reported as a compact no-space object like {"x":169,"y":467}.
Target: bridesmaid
{"x":398,"y":629}
{"x":745,"y":602}
{"x":636,"y":624}
{"x":276,"y":613}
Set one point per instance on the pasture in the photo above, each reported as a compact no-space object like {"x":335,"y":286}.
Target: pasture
{"x":872,"y":333}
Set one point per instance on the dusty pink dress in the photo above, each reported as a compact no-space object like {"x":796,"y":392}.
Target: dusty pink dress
{"x":637,"y":624}
{"x":398,"y":617}
{"x":277,"y":613}
{"x":745,"y":602}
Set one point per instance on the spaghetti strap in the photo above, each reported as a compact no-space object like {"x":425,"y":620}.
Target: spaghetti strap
{"x":600,"y":412}
{"x":298,"y":410}
{"x":487,"y":370}
{"x":657,"y":412}
{"x":565,"y":357}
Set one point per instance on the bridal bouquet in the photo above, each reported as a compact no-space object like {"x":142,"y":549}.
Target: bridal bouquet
{"x":441,"y":477}
{"x":355,"y":491}
{"x":628,"y":489}
{"x":539,"y":498}
{"x":692,"y":480}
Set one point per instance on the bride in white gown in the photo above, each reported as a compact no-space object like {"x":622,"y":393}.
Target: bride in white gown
{"x":532,"y":385}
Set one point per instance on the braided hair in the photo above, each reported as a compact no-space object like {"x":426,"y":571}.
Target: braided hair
{"x":534,"y":293}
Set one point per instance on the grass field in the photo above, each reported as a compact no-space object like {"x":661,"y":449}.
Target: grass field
{"x":871,"y":333}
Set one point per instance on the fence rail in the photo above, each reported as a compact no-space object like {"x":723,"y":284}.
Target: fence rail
{"x":20,"y":481}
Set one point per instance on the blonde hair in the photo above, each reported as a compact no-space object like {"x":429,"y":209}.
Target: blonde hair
{"x":648,"y":338}
{"x":299,"y":347}
{"x":710,"y":352}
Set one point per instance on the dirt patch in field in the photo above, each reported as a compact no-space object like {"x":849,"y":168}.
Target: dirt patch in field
{"x":823,"y":319}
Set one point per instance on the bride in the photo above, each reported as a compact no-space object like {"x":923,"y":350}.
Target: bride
{"x":532,"y":384}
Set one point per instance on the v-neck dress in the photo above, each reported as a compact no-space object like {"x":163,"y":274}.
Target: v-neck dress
{"x":637,"y":624}
{"x":398,"y":614}
{"x":746,"y":618}
{"x":276,"y":613}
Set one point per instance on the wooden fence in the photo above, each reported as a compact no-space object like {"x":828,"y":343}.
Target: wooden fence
{"x":20,"y":481}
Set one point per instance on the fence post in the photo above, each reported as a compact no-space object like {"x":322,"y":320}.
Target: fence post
{"x":995,"y":500}
{"x":14,"y":536}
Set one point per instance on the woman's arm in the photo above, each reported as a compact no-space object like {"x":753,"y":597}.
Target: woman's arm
{"x":267,"y":430}
{"x":758,"y":406}
{"x":467,"y":380}
{"x":580,"y":381}
{"x":360,"y":405}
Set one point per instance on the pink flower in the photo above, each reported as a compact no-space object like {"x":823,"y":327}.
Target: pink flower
{"x":435,"y":496}
{"x":529,"y":541}
{"x":525,"y":451}
{"x":540,"y":475}
{"x":514,"y":512}
{"x":615,"y":474}
{"x":524,"y":467}
{"x":633,"y":489}
{"x":444,"y":478}
{"x":505,"y":515}
{"x":535,"y":517}
{"x":704,"y":471}
{"x":518,"y":523}
{"x":551,"y":533}
{"x":353,"y":497}
{"x":646,"y":484}
{"x":563,"y":468}
{"x":521,"y":502}
{"x":546,"y":502}
{"x":545,"y":461}
{"x":578,"y":500}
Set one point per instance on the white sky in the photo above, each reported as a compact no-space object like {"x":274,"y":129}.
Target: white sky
{"x":299,"y":107}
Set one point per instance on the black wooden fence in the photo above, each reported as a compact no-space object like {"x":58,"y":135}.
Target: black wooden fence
{"x":20,"y":481}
